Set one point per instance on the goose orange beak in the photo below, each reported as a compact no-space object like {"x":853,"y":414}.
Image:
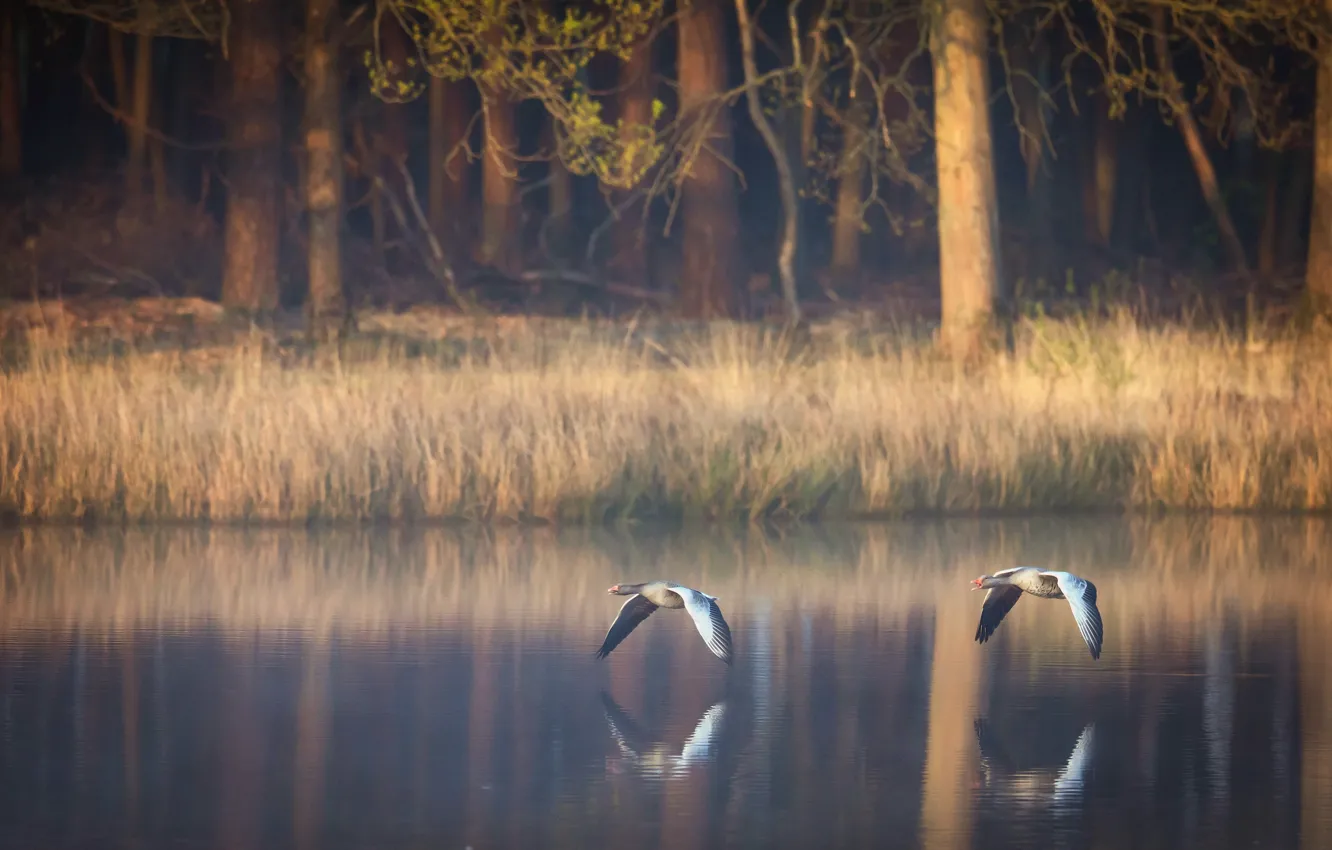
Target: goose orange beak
{"x":976,"y":584}
{"x":614,"y":588}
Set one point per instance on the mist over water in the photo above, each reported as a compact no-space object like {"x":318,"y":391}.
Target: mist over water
{"x":437,"y":688}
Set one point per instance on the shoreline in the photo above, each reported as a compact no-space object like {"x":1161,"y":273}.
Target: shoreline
{"x":666,"y":524}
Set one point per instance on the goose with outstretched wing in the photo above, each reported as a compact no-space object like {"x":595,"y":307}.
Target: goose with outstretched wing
{"x":1007,"y":586}
{"x":647,"y":597}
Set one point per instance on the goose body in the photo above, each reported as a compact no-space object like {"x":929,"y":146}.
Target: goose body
{"x":647,"y":597}
{"x":1007,"y":586}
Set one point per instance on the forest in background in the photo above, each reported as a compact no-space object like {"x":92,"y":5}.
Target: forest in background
{"x":700,"y":157}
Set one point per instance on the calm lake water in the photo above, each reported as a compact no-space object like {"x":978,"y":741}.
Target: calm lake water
{"x":437,"y":689}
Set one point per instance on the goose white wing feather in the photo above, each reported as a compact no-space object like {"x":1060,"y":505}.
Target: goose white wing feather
{"x":1081,"y":596}
{"x":709,"y":620}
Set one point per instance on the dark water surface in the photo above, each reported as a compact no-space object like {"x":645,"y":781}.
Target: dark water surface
{"x":437,"y":689}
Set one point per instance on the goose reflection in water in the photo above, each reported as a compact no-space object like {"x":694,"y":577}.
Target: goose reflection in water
{"x":652,"y":757}
{"x":1036,"y":786}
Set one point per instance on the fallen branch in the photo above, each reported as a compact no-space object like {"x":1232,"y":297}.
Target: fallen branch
{"x":133,"y":123}
{"x":589,"y":256}
{"x":1202,"y":164}
{"x":432,"y":254}
{"x":592,"y":282}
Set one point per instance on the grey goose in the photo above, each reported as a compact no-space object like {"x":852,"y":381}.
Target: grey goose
{"x":648,"y":596}
{"x":1007,"y":586}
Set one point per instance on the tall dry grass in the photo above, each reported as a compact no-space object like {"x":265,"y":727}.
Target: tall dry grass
{"x":576,"y":422}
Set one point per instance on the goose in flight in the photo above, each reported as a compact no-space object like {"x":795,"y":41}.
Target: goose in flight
{"x":649,"y":596}
{"x":653,"y":757}
{"x":1007,"y":586}
{"x":1035,"y":785}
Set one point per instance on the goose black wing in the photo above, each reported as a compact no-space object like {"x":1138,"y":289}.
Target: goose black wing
{"x":635,"y":610}
{"x":998,"y":602}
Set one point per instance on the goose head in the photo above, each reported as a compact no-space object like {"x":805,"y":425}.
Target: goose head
{"x":984,"y":582}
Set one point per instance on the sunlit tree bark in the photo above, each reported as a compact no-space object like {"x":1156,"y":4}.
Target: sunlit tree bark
{"x":389,"y":143}
{"x":141,"y":104}
{"x":1318,"y":272}
{"x":500,"y":217}
{"x":636,"y":89}
{"x":499,"y":186}
{"x":448,"y":163}
{"x":849,"y":217}
{"x":323,"y":160}
{"x":708,"y":204}
{"x":1100,"y":179}
{"x":968,"y":207}
{"x":559,"y":204}
{"x":250,"y":278}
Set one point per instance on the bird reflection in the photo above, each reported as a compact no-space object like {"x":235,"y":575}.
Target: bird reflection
{"x":1035,"y":786}
{"x":653,"y":758}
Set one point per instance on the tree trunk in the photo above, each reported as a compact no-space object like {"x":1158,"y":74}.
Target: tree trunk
{"x":499,"y":185}
{"x":1030,"y":83}
{"x":559,"y":206}
{"x":708,"y":203}
{"x":323,"y":160}
{"x":448,"y":163}
{"x":1030,"y":63}
{"x":391,"y":145}
{"x":1099,"y":181}
{"x":849,"y":217}
{"x":1295,"y":220}
{"x":1318,"y":273}
{"x":1267,"y":233}
{"x":115,"y":50}
{"x":968,"y":207}
{"x":628,"y":254}
{"x":786,"y":255}
{"x":1202,"y":164}
{"x":11,"y":96}
{"x":253,"y":202}
{"x":140,"y":106}
{"x":812,"y":73}
{"x":157,"y":163}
